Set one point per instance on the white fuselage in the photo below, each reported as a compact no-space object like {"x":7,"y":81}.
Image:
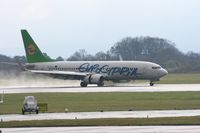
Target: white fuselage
{"x":111,"y":70}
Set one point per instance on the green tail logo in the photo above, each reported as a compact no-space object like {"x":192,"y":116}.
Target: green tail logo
{"x":33,"y":53}
{"x":31,"y":49}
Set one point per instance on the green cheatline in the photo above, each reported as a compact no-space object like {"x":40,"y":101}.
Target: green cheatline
{"x":89,"y":102}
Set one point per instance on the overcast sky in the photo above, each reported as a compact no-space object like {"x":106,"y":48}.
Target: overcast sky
{"x":61,"y":27}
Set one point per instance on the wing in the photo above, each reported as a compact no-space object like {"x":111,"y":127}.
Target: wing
{"x":62,"y":74}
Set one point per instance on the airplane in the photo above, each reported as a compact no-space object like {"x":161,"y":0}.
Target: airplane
{"x":88,"y":72}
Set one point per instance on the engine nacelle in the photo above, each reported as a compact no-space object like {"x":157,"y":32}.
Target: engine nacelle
{"x":94,"y":79}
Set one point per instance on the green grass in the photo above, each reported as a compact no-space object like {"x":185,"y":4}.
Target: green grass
{"x":105,"y":122}
{"x":181,"y":78}
{"x":83,"y":102}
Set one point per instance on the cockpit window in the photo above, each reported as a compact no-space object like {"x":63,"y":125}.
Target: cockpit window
{"x":157,"y":67}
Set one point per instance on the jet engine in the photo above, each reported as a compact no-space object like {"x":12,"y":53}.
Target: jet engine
{"x":93,"y":79}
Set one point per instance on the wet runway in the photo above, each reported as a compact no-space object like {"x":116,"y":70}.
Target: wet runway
{"x":133,"y":88}
{"x":106,"y":129}
{"x":98,"y":115}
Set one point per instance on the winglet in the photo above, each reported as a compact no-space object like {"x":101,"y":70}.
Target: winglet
{"x":33,"y":53}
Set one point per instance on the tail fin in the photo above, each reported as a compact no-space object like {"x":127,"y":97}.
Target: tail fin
{"x":33,"y":53}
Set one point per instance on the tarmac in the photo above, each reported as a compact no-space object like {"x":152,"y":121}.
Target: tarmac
{"x":77,"y":89}
{"x":99,"y":115}
{"x":106,"y":129}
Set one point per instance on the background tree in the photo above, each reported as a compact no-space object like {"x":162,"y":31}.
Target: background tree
{"x":59,"y":58}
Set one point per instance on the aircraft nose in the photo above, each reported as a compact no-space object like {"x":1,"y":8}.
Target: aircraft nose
{"x":164,"y":72}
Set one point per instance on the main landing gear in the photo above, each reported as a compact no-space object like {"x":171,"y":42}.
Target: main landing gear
{"x":100,"y":84}
{"x":83,"y":84}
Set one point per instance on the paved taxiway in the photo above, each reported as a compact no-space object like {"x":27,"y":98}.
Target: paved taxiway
{"x":106,"y":129}
{"x":98,"y":115}
{"x":133,"y":88}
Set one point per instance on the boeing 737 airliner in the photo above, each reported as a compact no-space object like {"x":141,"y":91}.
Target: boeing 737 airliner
{"x":89,"y":72}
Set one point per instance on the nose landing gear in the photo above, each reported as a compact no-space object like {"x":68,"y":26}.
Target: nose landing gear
{"x":151,"y":83}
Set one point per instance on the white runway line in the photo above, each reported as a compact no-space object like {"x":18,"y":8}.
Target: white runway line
{"x":98,"y":115}
{"x":106,"y":129}
{"x":136,"y":88}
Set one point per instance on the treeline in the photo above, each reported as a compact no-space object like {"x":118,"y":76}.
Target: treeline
{"x":9,"y":65}
{"x":152,"y":49}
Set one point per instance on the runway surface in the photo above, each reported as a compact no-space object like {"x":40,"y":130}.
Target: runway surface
{"x":134,"y":88}
{"x":106,"y":129}
{"x":98,"y":115}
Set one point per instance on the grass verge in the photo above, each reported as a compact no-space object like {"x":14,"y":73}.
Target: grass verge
{"x":105,"y":122}
{"x":112,"y":101}
{"x":181,"y":78}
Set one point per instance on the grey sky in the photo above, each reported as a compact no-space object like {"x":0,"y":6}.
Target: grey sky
{"x":61,"y":27}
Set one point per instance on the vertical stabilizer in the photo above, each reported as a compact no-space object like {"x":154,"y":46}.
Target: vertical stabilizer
{"x":33,"y":53}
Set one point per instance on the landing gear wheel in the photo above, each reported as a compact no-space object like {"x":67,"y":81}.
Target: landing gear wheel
{"x":100,"y":84}
{"x":83,"y":84}
{"x":151,"y":83}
